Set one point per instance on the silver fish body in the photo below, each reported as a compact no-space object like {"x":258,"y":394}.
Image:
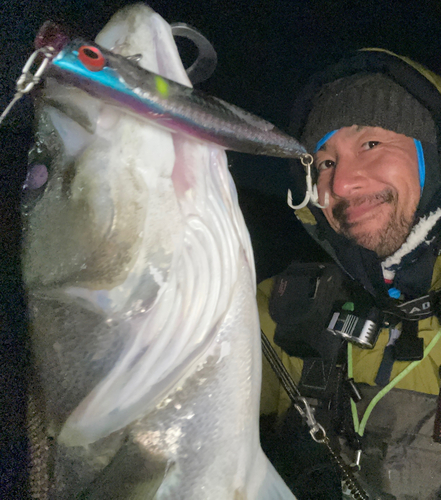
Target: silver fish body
{"x":141,"y":289}
{"x":170,"y":104}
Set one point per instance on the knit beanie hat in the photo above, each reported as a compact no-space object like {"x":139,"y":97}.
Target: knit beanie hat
{"x":369,"y":99}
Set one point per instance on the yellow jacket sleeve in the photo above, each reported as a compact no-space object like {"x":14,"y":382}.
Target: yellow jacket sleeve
{"x":273,"y":397}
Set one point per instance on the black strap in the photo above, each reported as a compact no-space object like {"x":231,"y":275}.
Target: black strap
{"x":385,"y":370}
{"x":419,"y":308}
{"x":409,"y":347}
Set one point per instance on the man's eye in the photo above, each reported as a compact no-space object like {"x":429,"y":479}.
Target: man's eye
{"x":370,"y":144}
{"x":325,"y":164}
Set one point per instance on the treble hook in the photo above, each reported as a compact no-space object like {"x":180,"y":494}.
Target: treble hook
{"x":311,"y":190}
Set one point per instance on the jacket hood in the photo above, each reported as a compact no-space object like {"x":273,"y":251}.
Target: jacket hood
{"x":413,"y":269}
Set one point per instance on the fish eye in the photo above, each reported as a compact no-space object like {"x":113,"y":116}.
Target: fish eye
{"x":34,"y":185}
{"x":91,"y":57}
{"x":38,"y":174}
{"x":36,"y":177}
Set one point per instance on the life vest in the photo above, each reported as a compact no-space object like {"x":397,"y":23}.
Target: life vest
{"x":424,"y":378}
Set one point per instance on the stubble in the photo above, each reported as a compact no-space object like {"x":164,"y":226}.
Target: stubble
{"x":385,"y":240}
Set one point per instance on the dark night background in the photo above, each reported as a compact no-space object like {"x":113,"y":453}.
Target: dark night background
{"x":266,"y":50}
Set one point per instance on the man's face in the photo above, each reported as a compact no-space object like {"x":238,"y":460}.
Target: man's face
{"x":371,"y":175}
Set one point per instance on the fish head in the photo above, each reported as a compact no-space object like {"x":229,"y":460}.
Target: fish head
{"x":99,"y":189}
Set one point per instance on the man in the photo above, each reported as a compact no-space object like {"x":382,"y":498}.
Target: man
{"x":372,"y":123}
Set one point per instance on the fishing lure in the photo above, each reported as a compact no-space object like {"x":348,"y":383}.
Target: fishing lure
{"x":120,"y":81}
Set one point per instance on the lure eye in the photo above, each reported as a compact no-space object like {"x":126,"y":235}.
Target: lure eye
{"x":91,"y":57}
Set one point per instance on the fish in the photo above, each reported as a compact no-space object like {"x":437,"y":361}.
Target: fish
{"x":120,"y":80}
{"x":140,"y":285}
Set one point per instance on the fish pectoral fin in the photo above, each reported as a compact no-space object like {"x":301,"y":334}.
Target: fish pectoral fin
{"x":131,"y":475}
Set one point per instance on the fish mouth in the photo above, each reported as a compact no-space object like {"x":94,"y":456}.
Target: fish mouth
{"x":76,"y":116}
{"x":73,"y":103}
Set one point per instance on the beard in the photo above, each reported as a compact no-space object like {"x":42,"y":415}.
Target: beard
{"x":385,"y":240}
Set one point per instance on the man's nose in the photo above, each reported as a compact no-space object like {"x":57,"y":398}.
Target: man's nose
{"x":349,"y":177}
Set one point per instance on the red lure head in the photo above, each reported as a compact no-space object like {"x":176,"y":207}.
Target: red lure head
{"x":51,"y":34}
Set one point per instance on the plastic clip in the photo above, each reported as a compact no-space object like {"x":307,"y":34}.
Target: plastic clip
{"x":355,"y":465}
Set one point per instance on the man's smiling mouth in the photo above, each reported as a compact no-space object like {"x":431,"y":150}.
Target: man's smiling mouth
{"x":348,"y":213}
{"x":358,"y":213}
